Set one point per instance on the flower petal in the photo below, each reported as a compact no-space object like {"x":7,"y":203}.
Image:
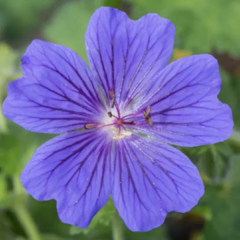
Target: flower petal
{"x":73,"y":169}
{"x":150,"y":179}
{"x":125,"y":54}
{"x":56,"y":94}
{"x":185,"y":109}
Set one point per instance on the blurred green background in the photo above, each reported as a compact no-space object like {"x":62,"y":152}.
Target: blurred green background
{"x":202,"y":26}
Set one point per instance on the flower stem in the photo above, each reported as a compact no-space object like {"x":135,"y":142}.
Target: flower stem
{"x":27,"y":222}
{"x":117,"y":227}
{"x":18,"y":207}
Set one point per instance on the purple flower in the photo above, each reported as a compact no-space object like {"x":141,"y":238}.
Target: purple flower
{"x":128,"y":93}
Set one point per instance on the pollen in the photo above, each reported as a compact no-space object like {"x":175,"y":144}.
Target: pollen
{"x":118,"y":137}
{"x":90,"y":125}
{"x":115,"y":130}
{"x":125,"y":133}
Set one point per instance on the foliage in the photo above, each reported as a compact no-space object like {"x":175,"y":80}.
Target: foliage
{"x":7,"y":73}
{"x":224,"y":201}
{"x":19,"y":17}
{"x":75,"y":25}
{"x":102,"y":217}
{"x":201,"y":26}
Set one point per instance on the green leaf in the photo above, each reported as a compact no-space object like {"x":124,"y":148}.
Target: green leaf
{"x":216,"y":163}
{"x":7,"y":72}
{"x":53,"y":237}
{"x":69,"y":24}
{"x":199,"y":24}
{"x":208,"y":164}
{"x":3,"y":190}
{"x":224,"y":204}
{"x":113,"y":3}
{"x":15,"y":151}
{"x":204,"y":211}
{"x":103,"y":217}
{"x":21,"y":16}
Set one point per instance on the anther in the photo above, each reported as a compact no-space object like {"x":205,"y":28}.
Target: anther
{"x":112,"y":97}
{"x":118,"y":137}
{"x":90,"y":125}
{"x":147,"y":113}
{"x":110,"y":114}
{"x":115,"y":130}
{"x":125,"y":133}
{"x":147,"y":116}
{"x":111,"y":94}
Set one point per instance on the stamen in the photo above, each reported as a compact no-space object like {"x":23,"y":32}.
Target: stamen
{"x":118,"y":111}
{"x":130,"y":123}
{"x":114,"y":116}
{"x":112,"y":103}
{"x":90,"y":125}
{"x":131,"y":115}
{"x":125,"y":133}
{"x":118,"y":137}
{"x":147,"y":116}
{"x":148,"y":110}
{"x":115,"y":130}
{"x":111,"y":94}
{"x":112,"y":97}
{"x":119,"y":122}
{"x":149,"y":121}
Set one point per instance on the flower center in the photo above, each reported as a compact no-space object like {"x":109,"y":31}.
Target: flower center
{"x":119,"y":122}
{"x":119,"y":126}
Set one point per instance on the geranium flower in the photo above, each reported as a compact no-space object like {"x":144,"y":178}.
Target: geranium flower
{"x":104,"y":115}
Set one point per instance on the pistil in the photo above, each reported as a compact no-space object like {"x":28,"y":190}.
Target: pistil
{"x":120,"y":123}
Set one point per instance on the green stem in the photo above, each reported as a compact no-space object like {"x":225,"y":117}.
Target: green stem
{"x":27,"y":222}
{"x":21,"y":212}
{"x":117,"y":227}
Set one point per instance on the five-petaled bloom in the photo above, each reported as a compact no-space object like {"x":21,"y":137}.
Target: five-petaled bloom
{"x":105,"y":115}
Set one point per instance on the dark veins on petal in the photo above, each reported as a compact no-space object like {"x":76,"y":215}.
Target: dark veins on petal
{"x":126,"y":54}
{"x":184,"y":105}
{"x":57,"y":87}
{"x":74,"y":169}
{"x":151,"y":179}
